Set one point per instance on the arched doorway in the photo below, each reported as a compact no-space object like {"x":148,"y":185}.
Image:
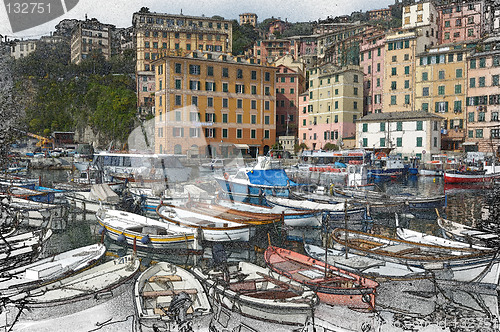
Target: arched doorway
{"x":177,"y":149}
{"x":266,"y":149}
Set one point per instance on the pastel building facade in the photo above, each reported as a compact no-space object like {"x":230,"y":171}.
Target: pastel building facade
{"x":441,"y":87}
{"x":269,"y":50}
{"x":248,"y":18}
{"x":409,"y":134}
{"x":372,"y":61}
{"x":483,"y":99}
{"x":210,"y":102}
{"x":22,"y":48}
{"x":158,"y":34}
{"x":459,"y":22}
{"x":335,"y":102}
{"x":91,"y":36}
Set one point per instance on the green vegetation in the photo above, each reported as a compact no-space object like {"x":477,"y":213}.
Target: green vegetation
{"x":331,"y":147}
{"x":243,"y":37}
{"x":60,"y":96}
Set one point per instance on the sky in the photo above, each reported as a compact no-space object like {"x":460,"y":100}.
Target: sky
{"x":119,"y":12}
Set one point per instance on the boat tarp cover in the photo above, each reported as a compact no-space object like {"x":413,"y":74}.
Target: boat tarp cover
{"x":104,"y":193}
{"x":270,"y":177}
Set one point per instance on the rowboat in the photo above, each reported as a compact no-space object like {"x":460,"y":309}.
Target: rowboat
{"x":167,"y":294}
{"x":414,"y":236}
{"x":333,"y":285}
{"x":365,"y":266}
{"x":259,"y":293}
{"x":370,"y":196}
{"x":23,"y":278}
{"x":292,"y":217}
{"x":142,"y":232}
{"x":31,"y":194}
{"x":22,"y":248}
{"x":456,"y":176}
{"x":335,"y":210}
{"x":460,"y":264}
{"x":466,"y":234}
{"x":94,"y":283}
{"x":234,"y":215}
{"x":211,"y":228}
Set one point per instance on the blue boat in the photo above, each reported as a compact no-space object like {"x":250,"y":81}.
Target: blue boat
{"x":261,"y":180}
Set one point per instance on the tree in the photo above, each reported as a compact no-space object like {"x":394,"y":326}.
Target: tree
{"x":331,"y":147}
{"x":300,"y":147}
{"x":243,"y":37}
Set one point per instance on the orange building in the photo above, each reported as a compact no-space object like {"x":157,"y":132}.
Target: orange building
{"x":214,"y":104}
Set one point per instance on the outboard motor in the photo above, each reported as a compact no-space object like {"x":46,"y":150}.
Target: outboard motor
{"x":178,"y":310}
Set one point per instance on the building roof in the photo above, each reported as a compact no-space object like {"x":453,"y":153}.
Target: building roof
{"x":398,"y":116}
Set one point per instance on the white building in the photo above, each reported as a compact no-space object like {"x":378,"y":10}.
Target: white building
{"x":409,"y":134}
{"x":424,"y":16}
{"x":22,"y":48}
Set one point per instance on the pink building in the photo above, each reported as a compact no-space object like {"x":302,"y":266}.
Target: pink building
{"x":371,"y":52}
{"x":461,"y":22}
{"x":483,"y":99}
{"x":277,"y":27}
{"x":289,"y":85}
{"x":267,"y":51}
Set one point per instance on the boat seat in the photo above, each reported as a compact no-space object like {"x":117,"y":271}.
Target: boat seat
{"x":165,"y":278}
{"x":163,"y":312}
{"x":199,"y":222}
{"x":168,"y":292}
{"x":399,"y":248}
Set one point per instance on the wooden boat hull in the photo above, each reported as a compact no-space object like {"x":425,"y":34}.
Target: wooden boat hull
{"x":340,"y":288}
{"x":141,"y":232}
{"x":255,"y":300}
{"x":460,"y":264}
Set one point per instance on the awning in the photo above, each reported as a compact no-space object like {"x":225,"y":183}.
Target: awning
{"x":469,"y":143}
{"x":242,"y":146}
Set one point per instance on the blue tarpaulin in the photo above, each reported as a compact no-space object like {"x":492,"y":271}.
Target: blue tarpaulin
{"x":269,"y":177}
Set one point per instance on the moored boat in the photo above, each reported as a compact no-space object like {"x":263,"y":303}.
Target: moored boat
{"x":332,"y":285}
{"x":259,"y":293}
{"x":466,"y":234}
{"x":168,"y":295}
{"x":457,"y":176}
{"x":211,"y":228}
{"x":142,"y":232}
{"x":460,"y":264}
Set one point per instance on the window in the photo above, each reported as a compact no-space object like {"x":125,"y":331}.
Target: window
{"x":239,"y":103}
{"x":482,"y":62}
{"x":425,"y":76}
{"x":481,"y":117}
{"x":254,"y":89}
{"x":479,"y":133}
{"x":253,"y":133}
{"x":495,"y":133}
{"x":355,"y":78}
{"x":494,"y":116}
{"x":194,"y":69}
{"x":210,"y":102}
{"x":441,"y":74}
{"x":425,"y":107}
{"x":194,"y":132}
{"x":194,"y":100}
{"x":457,"y":106}
{"x":407,"y":70}
{"x":471,"y":117}
{"x":355,"y":91}
{"x":225,"y":72}
{"x":355,"y":105}
{"x":419,"y":141}
{"x":441,"y":90}
{"x":471,"y":134}
{"x":336,"y":119}
{"x":253,"y":104}
{"x":446,"y":35}
{"x":239,"y":118}
{"x":266,"y":105}
{"x":365,"y":127}
{"x":393,"y":85}
{"x":267,"y":76}
{"x":225,"y":87}
{"x":407,"y":99}
{"x":239,"y":73}
{"x":178,"y":100}
{"x":336,"y":104}
{"x":382,"y":126}
{"x":425,"y":91}
{"x":482,"y":81}
{"x":254,"y":75}
{"x":239,"y":133}
{"x":194,"y":85}
{"x":407,"y":84}
{"x":178,"y":68}
{"x":393,"y":100}
{"x":472,"y":82}
{"x":267,"y":90}
{"x":458,"y":88}
{"x":420,"y":125}
{"x":473,"y":63}
{"x":394,"y":71}
{"x":494,"y":80}
{"x":266,"y":134}
{"x":382,"y":142}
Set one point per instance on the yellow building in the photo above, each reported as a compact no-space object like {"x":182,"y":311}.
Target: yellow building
{"x":248,"y":18}
{"x":212,"y":103}
{"x":441,"y":83}
{"x":156,"y":34}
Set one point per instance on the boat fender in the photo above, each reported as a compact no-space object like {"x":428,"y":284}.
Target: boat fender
{"x":101,"y":230}
{"x":226,"y":176}
{"x":121,"y":237}
{"x":366,"y":298}
{"x":145,"y":239}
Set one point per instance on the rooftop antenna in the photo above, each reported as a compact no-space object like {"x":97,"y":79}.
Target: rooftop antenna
{"x":181,"y":11}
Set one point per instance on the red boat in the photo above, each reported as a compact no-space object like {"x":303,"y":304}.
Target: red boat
{"x":469,"y":176}
{"x":332,"y":285}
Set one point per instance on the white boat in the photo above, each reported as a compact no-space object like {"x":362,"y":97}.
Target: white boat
{"x":143,"y":232}
{"x":23,"y":278}
{"x":99,"y":196}
{"x":304,"y":204}
{"x":414,"y":236}
{"x":460,"y":264}
{"x":38,"y":213}
{"x":169,"y":295}
{"x":365,"y":266}
{"x":468,"y":235}
{"x":259,"y":293}
{"x":212,"y":228}
{"x":94,"y":283}
{"x":22,"y":248}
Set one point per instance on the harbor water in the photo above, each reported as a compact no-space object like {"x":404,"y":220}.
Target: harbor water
{"x":405,"y":306}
